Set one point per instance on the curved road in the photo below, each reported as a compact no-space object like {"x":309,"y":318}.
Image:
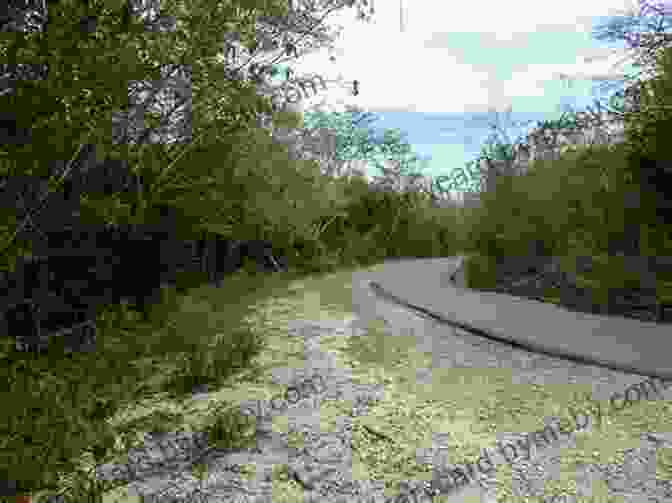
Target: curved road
{"x":425,"y":287}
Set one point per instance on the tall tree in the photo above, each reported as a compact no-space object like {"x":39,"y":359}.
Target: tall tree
{"x":471,"y":177}
{"x":648,"y":138}
{"x":285,"y":39}
{"x":64,"y":108}
{"x":187,"y":39}
{"x":647,"y":43}
{"x":498,"y":146}
{"x":643,"y":106}
{"x":353,"y":138}
{"x":401,"y":162}
{"x":643,"y":31}
{"x":295,"y":34}
{"x":70,"y":110}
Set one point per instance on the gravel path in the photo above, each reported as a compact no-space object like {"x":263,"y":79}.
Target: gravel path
{"x":160,"y":471}
{"x":322,"y":468}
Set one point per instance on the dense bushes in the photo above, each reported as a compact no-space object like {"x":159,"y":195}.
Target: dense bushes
{"x":578,"y":197}
{"x":604,"y":202}
{"x":600,"y":200}
{"x":233,"y":181}
{"x":92,"y":266}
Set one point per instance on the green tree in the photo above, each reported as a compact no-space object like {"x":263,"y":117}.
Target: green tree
{"x":354,"y":140}
{"x":223,"y":105}
{"x":229,"y":159}
{"x":644,"y":34}
{"x":649,"y":150}
{"x":471,"y":177}
{"x":499,"y":147}
{"x":402,"y":162}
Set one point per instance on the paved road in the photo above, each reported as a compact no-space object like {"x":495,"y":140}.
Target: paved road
{"x":425,"y":287}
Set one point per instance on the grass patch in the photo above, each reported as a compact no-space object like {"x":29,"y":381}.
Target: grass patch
{"x":61,"y":408}
{"x":72,"y":413}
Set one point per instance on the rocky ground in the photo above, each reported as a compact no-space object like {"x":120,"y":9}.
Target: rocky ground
{"x":320,"y":467}
{"x":535,"y":277}
{"x":162,"y":469}
{"x":320,"y":470}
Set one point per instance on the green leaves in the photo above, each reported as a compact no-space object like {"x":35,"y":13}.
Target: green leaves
{"x":471,"y":178}
{"x":356,"y":141}
{"x":353,"y":141}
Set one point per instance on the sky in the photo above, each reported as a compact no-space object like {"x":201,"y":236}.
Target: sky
{"x":454,"y":62}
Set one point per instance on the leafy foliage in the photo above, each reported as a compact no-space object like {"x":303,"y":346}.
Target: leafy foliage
{"x":472,"y":178}
{"x":64,"y":110}
{"x":649,"y":152}
{"x":231,"y":178}
{"x":577,"y":194}
{"x":645,"y":126}
{"x":354,"y":140}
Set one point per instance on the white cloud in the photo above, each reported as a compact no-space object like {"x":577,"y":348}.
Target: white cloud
{"x":396,"y":71}
{"x":403,"y":71}
{"x":597,"y":62}
{"x":504,"y":18}
{"x":594,"y":64}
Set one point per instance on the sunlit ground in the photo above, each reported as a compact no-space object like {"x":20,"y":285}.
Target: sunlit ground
{"x":468,"y":406}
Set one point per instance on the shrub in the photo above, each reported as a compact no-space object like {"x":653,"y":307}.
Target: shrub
{"x":480,"y":271}
{"x":582,"y":194}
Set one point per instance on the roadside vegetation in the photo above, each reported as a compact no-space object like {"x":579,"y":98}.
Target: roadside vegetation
{"x":574,"y":208}
{"x":608,"y":202}
{"x":58,"y":408}
{"x":237,"y":180}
